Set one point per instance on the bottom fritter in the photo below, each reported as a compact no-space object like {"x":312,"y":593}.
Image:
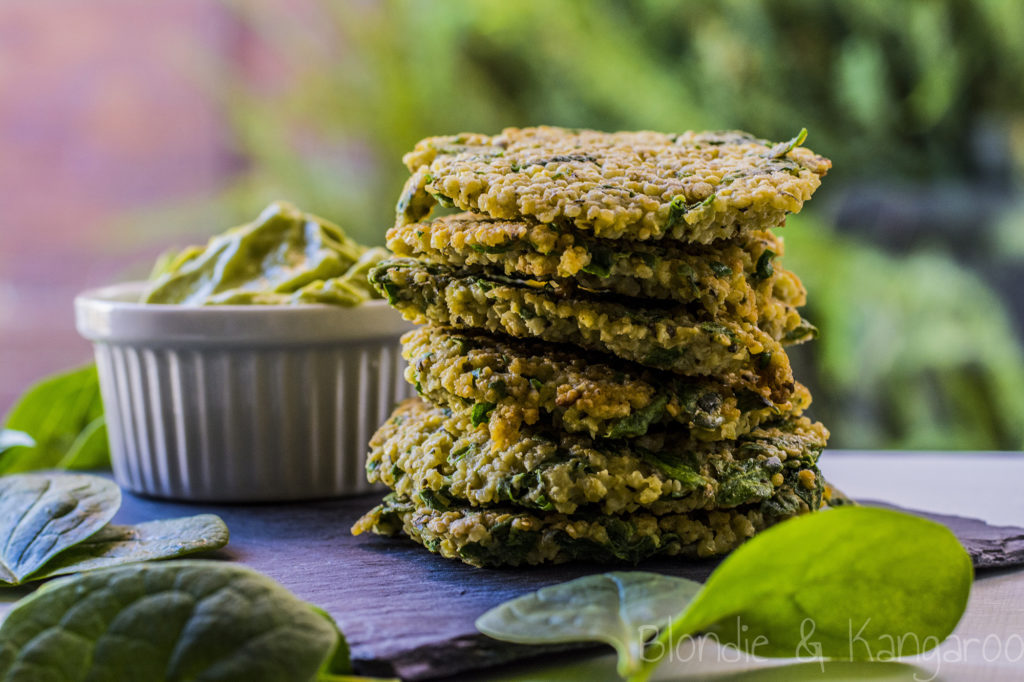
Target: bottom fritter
{"x":505,"y":536}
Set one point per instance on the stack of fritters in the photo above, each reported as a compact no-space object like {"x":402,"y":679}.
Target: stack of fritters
{"x":602,"y":370}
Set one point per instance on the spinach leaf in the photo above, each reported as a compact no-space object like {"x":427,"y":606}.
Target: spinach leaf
{"x":601,"y":261}
{"x":481,"y":412}
{"x":623,"y":609}
{"x":178,"y":620}
{"x":678,"y":208}
{"x":637,"y":423}
{"x":443,"y":200}
{"x":764,"y":268}
{"x":677,"y":469}
{"x":499,"y":387}
{"x":746,"y":480}
{"x":117,"y":545}
{"x":854,"y":583}
{"x":9,"y":438}
{"x":55,"y":412}
{"x":720,"y":269}
{"x":434,"y":499}
{"x":783,"y":148}
{"x":390,"y":291}
{"x":802,"y":332}
{"x":493,"y":249}
{"x":458,"y":453}
{"x":43,"y":514}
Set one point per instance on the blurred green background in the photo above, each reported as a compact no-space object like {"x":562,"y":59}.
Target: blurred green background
{"x":912,"y":251}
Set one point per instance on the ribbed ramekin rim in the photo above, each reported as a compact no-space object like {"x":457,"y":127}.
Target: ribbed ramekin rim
{"x":102,"y":315}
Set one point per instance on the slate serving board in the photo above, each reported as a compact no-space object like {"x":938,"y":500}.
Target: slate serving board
{"x":409,"y":613}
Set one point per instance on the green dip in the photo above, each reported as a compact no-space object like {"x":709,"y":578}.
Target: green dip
{"x":285,"y":256}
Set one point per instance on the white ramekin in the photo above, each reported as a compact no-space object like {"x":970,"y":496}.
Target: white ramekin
{"x":242,"y":403}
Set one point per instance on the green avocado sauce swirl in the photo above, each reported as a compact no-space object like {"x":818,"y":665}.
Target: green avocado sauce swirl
{"x":283,"y":257}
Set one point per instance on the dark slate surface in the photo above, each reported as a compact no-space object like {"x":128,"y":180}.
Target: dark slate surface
{"x":410,"y":613}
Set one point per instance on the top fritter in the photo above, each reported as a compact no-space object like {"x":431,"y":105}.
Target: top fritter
{"x":695,"y":187}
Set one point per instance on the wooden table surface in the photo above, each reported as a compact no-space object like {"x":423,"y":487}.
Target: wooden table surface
{"x":988,"y":644}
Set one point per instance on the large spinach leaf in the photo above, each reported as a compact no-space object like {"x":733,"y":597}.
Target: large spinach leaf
{"x":623,"y":609}
{"x":43,"y":514}
{"x":117,"y":545}
{"x":173,"y":621}
{"x":57,"y":413}
{"x":851,"y":583}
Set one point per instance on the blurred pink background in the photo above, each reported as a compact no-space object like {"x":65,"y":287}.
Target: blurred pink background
{"x":99,"y":115}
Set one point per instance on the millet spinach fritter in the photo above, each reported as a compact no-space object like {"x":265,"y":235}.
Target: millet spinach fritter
{"x":742,"y":278}
{"x":510,"y":382}
{"x":441,"y":455}
{"x":695,"y":187}
{"x":663,"y":337}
